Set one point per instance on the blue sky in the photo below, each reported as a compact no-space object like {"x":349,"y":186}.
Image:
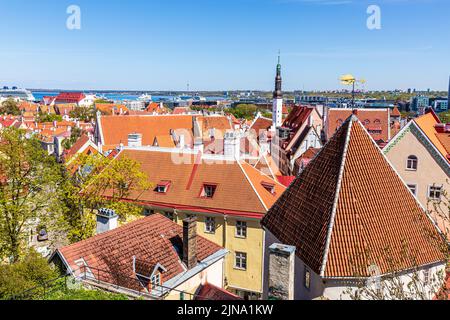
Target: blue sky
{"x":224,"y":44}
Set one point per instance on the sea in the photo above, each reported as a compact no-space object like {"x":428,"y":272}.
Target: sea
{"x":119,"y":97}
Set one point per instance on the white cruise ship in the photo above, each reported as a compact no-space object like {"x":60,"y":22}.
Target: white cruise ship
{"x":145,"y":97}
{"x":17,"y":93}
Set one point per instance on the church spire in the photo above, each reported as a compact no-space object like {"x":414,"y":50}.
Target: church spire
{"x":278,"y":93}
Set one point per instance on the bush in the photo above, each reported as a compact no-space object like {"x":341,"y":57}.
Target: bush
{"x":30,"y":272}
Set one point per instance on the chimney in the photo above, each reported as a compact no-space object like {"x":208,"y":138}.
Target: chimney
{"x":232,"y":145}
{"x":281,"y":272}
{"x":107,"y":220}
{"x":198,"y":145}
{"x":440,"y":128}
{"x":182,"y":142}
{"x":190,"y":242}
{"x":135,"y":140}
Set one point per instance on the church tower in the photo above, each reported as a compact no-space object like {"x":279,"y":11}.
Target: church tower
{"x":277,"y":109}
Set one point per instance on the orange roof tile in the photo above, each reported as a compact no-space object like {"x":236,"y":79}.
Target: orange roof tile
{"x":395,"y":112}
{"x":115,"y":129}
{"x":427,"y":123}
{"x":164,"y":142}
{"x":349,"y":209}
{"x":239,"y":185}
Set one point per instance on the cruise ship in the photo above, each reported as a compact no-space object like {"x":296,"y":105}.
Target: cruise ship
{"x":17,"y":93}
{"x":145,"y":97}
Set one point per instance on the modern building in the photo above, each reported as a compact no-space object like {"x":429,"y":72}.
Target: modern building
{"x":349,"y":223}
{"x":420,"y":103}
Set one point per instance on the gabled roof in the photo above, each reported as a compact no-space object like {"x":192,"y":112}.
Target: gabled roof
{"x":395,"y":112}
{"x":153,"y":239}
{"x":427,"y":124}
{"x":261,"y":124}
{"x":239,"y":185}
{"x":349,"y":209}
{"x":213,"y":293}
{"x":377,"y":120}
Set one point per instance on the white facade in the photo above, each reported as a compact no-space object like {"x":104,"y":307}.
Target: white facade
{"x":277,"y":113}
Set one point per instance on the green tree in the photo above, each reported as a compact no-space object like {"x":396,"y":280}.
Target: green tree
{"x":28,"y":175}
{"x":75,"y":134}
{"x":100,"y":182}
{"x":31,"y":272}
{"x":83,"y":113}
{"x":10,"y":107}
{"x":48,"y":117}
{"x":244,"y":111}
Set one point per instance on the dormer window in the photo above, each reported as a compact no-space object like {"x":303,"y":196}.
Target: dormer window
{"x":162,"y":187}
{"x":208,"y":191}
{"x":269,"y":187}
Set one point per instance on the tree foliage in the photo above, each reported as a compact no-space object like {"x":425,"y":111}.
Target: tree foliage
{"x":18,"y":279}
{"x":48,"y":117}
{"x":83,"y":113}
{"x":28,"y":176}
{"x":10,"y":107}
{"x":100,"y":182}
{"x":75,"y":134}
{"x":244,"y":111}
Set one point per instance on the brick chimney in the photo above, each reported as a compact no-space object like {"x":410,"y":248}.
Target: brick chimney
{"x":190,"y":242}
{"x":440,"y":127}
{"x":281,"y":272}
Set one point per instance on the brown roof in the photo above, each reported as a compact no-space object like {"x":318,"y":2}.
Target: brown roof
{"x":150,"y":240}
{"x":395,"y":112}
{"x":239,"y":190}
{"x":213,"y":293}
{"x":261,"y":124}
{"x":349,"y":209}
{"x":375,"y":120}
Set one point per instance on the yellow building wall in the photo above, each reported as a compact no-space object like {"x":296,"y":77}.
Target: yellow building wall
{"x":250,"y":279}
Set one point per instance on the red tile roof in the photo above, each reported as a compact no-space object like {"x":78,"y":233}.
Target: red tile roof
{"x":396,"y":112}
{"x":375,"y":119}
{"x":151,"y":240}
{"x":211,"y":292}
{"x":239,"y":185}
{"x":69,"y":97}
{"x":285,"y":180}
{"x":261,"y":124}
{"x":349,"y":209}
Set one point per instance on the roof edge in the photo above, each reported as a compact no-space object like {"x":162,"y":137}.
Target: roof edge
{"x":351,"y":119}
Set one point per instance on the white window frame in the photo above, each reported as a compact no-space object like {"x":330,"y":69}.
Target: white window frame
{"x":241,"y":229}
{"x":441,"y":187}
{"x":210,"y":225}
{"x":408,"y":162}
{"x":307,"y":278}
{"x":240,"y":260}
{"x":414,"y":185}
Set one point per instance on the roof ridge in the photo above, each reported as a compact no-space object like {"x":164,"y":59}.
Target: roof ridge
{"x":351,"y":119}
{"x":253,"y":187}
